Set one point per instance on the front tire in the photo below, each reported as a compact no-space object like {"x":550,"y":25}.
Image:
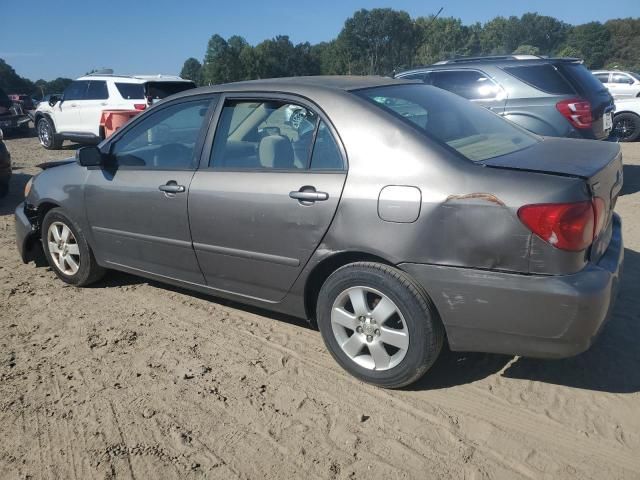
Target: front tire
{"x":626,"y":126}
{"x":378,"y":324}
{"x":67,"y":250}
{"x":47,"y":135}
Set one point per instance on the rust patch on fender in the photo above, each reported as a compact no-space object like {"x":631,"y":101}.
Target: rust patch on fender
{"x":487,"y":197}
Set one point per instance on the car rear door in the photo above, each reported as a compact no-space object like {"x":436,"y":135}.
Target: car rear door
{"x":263,"y":199}
{"x":621,"y":85}
{"x":137,"y":203}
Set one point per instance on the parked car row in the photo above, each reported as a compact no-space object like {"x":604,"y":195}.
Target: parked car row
{"x":77,"y":114}
{"x":432,"y":221}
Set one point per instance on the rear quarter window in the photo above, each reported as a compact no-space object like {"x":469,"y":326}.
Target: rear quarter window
{"x":544,"y":77}
{"x":582,"y":79}
{"x":131,"y":91}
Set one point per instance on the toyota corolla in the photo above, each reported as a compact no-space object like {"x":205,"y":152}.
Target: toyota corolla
{"x":395,"y":216}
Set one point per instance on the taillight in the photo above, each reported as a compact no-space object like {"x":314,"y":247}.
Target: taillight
{"x":140,"y":106}
{"x":567,"y":226}
{"x":577,"y":111}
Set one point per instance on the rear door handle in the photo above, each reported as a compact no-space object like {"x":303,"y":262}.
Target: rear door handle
{"x":171,"y":187}
{"x":308,"y":194}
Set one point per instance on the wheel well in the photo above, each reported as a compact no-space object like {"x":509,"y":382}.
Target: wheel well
{"x":43,"y":209}
{"x":325,"y":268}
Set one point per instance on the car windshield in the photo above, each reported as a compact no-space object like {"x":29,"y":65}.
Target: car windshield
{"x":471,"y":130}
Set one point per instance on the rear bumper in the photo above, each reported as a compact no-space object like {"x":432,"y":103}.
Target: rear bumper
{"x":529,"y":315}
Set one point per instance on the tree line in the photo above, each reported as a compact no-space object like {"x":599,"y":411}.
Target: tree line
{"x":381,"y":40}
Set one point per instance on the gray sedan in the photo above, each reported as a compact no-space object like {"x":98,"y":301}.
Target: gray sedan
{"x":395,"y":216}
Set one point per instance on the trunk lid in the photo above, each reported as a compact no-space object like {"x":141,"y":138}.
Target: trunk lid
{"x":599,"y":164}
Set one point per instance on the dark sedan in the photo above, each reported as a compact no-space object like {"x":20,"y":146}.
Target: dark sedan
{"x":433,"y":221}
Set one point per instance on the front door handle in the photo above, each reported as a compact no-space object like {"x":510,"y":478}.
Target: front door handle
{"x":308,"y":195}
{"x":171,"y":187}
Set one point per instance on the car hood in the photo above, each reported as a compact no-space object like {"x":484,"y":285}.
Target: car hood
{"x":560,"y":156}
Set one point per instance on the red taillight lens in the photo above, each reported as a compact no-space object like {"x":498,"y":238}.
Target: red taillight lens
{"x":577,"y":111}
{"x":140,"y":106}
{"x":568,"y":226}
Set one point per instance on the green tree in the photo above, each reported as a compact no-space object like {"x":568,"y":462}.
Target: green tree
{"x":192,"y":70}
{"x":545,"y":33}
{"x":440,"y":39}
{"x":377,"y":41}
{"x":593,"y":41}
{"x":11,"y":82}
{"x":526,"y":50}
{"x":625,"y":43}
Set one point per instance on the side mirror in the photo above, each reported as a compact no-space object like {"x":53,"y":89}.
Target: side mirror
{"x":89,"y":156}
{"x":53,"y":99}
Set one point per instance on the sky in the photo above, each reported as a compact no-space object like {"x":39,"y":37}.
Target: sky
{"x":67,"y":38}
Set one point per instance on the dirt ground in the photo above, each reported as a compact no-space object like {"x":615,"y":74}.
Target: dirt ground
{"x":133,"y":379}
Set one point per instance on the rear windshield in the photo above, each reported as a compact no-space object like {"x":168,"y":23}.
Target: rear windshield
{"x":154,"y":90}
{"x":543,"y":77}
{"x":471,"y":130}
{"x":160,"y":90}
{"x":582,"y":79}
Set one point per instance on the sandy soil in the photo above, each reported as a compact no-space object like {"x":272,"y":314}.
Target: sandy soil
{"x":132,"y":379}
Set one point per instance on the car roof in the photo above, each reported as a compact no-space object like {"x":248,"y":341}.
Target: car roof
{"x":294,"y":85}
{"x":500,"y":61}
{"x":134,"y":78}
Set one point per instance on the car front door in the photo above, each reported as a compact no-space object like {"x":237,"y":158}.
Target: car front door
{"x":261,"y":204}
{"x":66,"y":111}
{"x":621,"y":86}
{"x":90,"y":109}
{"x":137,"y":203}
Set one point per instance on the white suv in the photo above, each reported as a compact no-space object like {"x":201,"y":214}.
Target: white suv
{"x":76,"y":115}
{"x":620,"y":84}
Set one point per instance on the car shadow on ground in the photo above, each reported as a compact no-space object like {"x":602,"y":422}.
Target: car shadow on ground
{"x":611,"y":365}
{"x":631,"y":176}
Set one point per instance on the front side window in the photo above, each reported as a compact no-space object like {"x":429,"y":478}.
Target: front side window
{"x":97,"y":90}
{"x":164,"y":140}
{"x":471,"y":130}
{"x":77,"y":90}
{"x":470,"y":84}
{"x":263,"y":134}
{"x":621,"y":78}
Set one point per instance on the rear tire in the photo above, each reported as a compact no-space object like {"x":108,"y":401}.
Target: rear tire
{"x":391,"y":346}
{"x":47,"y":135}
{"x":626,"y":126}
{"x":67,"y":250}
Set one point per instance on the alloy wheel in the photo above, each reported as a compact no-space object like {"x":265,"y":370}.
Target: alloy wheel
{"x":63,"y":248}
{"x":625,"y":128}
{"x":45,"y":134}
{"x":369,"y":328}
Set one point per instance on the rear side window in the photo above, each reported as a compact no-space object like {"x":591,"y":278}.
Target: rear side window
{"x":326,"y":154}
{"x":543,"y":77}
{"x":470,"y":84}
{"x":131,"y":91}
{"x":471,"y":130}
{"x":97,"y":90}
{"x":77,"y":90}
